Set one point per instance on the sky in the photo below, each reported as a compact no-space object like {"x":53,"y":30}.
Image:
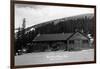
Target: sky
{"x":36,"y":14}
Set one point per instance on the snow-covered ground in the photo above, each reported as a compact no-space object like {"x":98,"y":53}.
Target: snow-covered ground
{"x":54,"y":57}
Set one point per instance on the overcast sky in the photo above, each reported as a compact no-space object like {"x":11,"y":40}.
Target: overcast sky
{"x":36,"y":14}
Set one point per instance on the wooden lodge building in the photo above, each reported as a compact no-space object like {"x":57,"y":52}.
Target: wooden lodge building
{"x":62,"y":41}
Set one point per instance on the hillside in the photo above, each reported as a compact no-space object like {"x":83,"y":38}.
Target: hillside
{"x":65,"y":25}
{"x":90,"y":16}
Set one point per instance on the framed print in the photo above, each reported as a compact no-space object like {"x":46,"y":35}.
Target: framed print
{"x":50,"y":34}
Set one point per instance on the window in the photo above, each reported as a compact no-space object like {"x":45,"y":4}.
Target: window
{"x":85,"y":41}
{"x":71,"y":42}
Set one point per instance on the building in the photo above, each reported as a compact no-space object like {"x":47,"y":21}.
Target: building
{"x":61,"y":41}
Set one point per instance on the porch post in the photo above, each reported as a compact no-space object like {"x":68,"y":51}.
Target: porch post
{"x":67,"y":45}
{"x":49,"y":46}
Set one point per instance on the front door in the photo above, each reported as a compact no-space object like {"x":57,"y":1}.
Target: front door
{"x":78,"y":44}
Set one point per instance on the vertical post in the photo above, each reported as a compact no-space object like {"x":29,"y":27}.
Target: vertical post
{"x":50,"y":45}
{"x":67,"y":45}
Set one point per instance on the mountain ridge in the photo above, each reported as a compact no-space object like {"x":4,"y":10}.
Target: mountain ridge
{"x":60,"y":20}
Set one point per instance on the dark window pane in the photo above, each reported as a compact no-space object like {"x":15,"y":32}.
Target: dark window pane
{"x":85,"y":41}
{"x":71,"y":42}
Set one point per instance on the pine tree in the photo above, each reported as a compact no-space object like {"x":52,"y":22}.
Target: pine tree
{"x":23,"y":40}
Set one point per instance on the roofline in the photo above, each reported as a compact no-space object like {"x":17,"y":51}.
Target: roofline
{"x":61,"y":40}
{"x":51,"y":34}
{"x":80,"y":33}
{"x":51,"y":41}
